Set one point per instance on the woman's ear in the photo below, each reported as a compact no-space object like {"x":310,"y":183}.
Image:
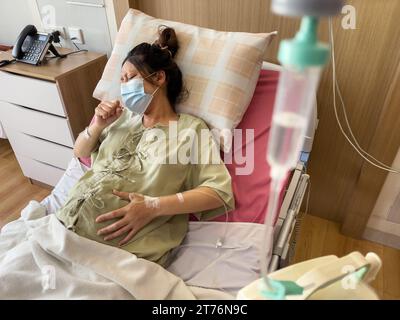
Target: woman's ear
{"x":161,"y":77}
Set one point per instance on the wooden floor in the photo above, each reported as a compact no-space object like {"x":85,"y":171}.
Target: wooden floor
{"x":15,"y":190}
{"x":318,"y":237}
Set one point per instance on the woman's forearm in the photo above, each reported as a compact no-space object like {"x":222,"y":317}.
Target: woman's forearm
{"x":193,"y":201}
{"x":84,"y":145}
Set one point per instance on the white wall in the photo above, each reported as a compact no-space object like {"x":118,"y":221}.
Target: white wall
{"x":384,"y":223}
{"x":92,"y":21}
{"x":14,"y":16}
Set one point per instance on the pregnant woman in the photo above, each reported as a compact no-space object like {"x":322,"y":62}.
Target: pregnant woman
{"x":128,"y":199}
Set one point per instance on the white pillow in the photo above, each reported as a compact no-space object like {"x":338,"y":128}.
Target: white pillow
{"x":220,"y":69}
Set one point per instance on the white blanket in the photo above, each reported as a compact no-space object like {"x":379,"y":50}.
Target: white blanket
{"x":40,"y":259}
{"x":197,"y":261}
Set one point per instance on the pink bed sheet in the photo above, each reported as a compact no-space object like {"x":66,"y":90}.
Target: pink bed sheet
{"x":251,"y":191}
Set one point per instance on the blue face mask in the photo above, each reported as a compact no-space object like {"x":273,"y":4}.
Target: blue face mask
{"x":134,"y":97}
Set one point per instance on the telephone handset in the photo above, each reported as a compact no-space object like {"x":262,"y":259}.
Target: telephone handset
{"x":32,"y":46}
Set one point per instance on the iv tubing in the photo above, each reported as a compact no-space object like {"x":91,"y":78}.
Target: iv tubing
{"x":272,"y":213}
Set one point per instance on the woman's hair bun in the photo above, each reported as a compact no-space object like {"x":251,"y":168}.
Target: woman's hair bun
{"x":167,"y":40}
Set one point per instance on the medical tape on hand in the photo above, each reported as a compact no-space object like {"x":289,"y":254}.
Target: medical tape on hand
{"x":152,"y":202}
{"x":180,"y":197}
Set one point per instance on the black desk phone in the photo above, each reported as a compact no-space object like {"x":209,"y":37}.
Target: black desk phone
{"x":31,"y":47}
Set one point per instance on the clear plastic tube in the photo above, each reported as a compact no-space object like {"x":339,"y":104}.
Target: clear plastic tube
{"x":272,"y":212}
{"x":294,"y":102}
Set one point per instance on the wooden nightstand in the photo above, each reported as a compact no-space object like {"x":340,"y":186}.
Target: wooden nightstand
{"x":43,"y":109}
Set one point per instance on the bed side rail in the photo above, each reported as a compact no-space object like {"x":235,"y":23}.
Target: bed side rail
{"x":288,"y":218}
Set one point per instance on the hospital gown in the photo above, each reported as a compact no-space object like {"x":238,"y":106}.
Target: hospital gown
{"x":128,"y":159}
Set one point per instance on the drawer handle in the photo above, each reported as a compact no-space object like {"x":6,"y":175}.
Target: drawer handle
{"x":85,"y":4}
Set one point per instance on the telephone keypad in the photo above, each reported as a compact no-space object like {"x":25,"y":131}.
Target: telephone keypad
{"x":33,"y":47}
{"x":34,"y":51}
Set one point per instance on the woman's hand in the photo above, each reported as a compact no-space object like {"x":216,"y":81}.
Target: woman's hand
{"x":142,"y":210}
{"x":106,"y":113}
{"x":132,"y":217}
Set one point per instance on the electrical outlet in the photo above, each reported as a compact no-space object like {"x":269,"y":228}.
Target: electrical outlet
{"x":77,"y":34}
{"x":50,"y":29}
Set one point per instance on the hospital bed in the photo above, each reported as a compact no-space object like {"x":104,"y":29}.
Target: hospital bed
{"x":198,"y":261}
